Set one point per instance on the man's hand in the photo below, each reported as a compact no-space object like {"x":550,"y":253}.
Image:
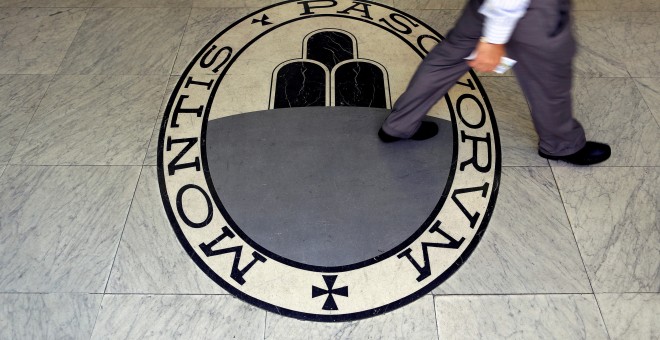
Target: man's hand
{"x":488,"y":57}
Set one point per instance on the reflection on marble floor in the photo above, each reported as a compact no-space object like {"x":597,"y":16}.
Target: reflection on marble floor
{"x":86,"y":250}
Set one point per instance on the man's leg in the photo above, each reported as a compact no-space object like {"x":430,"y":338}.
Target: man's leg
{"x":438,"y":72}
{"x":544,"y":47}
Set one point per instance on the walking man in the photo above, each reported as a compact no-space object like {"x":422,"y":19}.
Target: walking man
{"x":535,"y":33}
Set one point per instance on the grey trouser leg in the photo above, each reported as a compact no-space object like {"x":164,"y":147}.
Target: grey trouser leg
{"x":544,"y":47}
{"x":437,"y":73}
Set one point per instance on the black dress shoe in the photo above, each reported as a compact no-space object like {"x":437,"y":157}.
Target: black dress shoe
{"x":426,"y":130}
{"x":591,"y":153}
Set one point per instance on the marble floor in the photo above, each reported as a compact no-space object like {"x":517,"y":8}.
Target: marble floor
{"x":87,"y":251}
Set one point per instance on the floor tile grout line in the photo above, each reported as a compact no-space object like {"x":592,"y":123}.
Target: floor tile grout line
{"x":178,"y":50}
{"x":265,"y":323}
{"x":153,"y":165}
{"x":637,"y":86}
{"x":121,"y":235}
{"x":518,"y":294}
{"x":437,"y":322}
{"x":542,"y":293}
{"x":50,"y":83}
{"x":127,"y":294}
{"x":582,"y":167}
{"x":577,"y":245}
{"x":98,"y":313}
{"x":232,"y":296}
{"x":602,"y":317}
{"x":13,"y":153}
{"x":165,"y":95}
{"x":613,"y":42}
{"x":163,"y":104}
{"x":77,"y":165}
{"x":82,"y":22}
{"x":530,"y":294}
{"x":153,"y":128}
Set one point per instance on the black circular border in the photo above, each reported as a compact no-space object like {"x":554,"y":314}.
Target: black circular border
{"x":323,"y":269}
{"x":292,"y":313}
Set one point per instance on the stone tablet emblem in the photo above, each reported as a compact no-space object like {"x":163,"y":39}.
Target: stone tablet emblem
{"x":274,"y":180}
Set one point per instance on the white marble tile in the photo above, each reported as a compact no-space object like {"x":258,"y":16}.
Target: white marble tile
{"x":440,"y":20}
{"x":413,"y":321}
{"x":48,"y":316}
{"x":517,"y":135}
{"x":616,"y":5}
{"x":19,"y":98}
{"x":152,"y":151}
{"x":631,"y":316}
{"x":234,"y":3}
{"x":613,"y":111}
{"x":650,"y":89}
{"x":46,"y":3}
{"x":636,"y":34}
{"x":429,"y":4}
{"x":519,"y":317}
{"x":34,"y":40}
{"x":178,"y":316}
{"x":150,"y":259}
{"x":93,"y":120}
{"x":385,"y":2}
{"x":61,"y":226}
{"x":614,"y":214}
{"x":126,"y":41}
{"x":597,"y":55}
{"x":528,"y":246}
{"x":203,"y":25}
{"x":2,"y":170}
{"x":142,"y":3}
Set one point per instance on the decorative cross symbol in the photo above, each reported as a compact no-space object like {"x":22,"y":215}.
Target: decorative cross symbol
{"x":330,"y":301}
{"x":264,"y":20}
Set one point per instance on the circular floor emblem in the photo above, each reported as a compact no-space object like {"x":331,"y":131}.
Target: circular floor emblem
{"x":277,"y":186}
